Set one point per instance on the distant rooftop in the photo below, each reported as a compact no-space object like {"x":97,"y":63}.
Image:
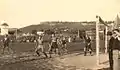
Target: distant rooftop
{"x":4,"y":24}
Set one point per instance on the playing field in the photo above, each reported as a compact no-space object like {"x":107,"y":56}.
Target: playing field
{"x":25,"y":51}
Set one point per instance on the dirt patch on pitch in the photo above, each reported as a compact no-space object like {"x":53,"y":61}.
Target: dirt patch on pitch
{"x":28,"y":61}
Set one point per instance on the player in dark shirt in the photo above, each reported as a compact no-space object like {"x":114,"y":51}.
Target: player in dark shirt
{"x":53,"y":46}
{"x":87,"y":45}
{"x":6,"y":42}
{"x":64,"y":45}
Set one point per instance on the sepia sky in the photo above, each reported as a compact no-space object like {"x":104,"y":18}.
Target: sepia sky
{"x":21,"y":13}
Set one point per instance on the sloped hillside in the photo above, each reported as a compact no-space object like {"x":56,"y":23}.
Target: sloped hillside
{"x":59,"y":25}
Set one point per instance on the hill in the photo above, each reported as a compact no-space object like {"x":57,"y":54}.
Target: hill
{"x":60,"y":25}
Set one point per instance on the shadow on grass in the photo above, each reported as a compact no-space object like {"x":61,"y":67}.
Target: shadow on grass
{"x":21,"y":61}
{"x":23,"y":65}
{"x":105,"y":62}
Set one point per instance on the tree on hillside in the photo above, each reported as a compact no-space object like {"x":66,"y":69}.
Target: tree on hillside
{"x":82,"y":34}
{"x":49,"y":31}
{"x":34,"y":32}
{"x":11,"y":32}
{"x":14,"y":31}
{"x":42,"y":30}
{"x":19,"y":31}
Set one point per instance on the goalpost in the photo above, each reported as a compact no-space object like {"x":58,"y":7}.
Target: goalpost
{"x":98,"y":21}
{"x":97,"y":40}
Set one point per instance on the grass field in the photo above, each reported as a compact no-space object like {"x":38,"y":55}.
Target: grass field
{"x":27,"y":59}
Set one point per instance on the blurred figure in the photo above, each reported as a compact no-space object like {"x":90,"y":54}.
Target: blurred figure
{"x":87,"y":45}
{"x":39,"y":46}
{"x":110,"y":49}
{"x":117,"y":40}
{"x":114,"y":43}
{"x":53,"y":46}
{"x":59,"y":43}
{"x":69,"y":39}
{"x":6,"y":42}
{"x":74,"y":38}
{"x":64,"y":45}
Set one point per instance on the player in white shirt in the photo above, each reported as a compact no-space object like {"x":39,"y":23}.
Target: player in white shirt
{"x":40,"y":47}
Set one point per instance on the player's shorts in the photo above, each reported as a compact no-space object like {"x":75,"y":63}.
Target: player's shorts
{"x":6,"y":44}
{"x":40,"y":47}
{"x":54,"y":45}
{"x":63,"y":42}
{"x":87,"y":46}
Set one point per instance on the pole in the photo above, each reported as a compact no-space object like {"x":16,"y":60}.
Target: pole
{"x":112,"y":26}
{"x":106,"y":30}
{"x":16,"y":33}
{"x":78,"y":33}
{"x":97,"y":40}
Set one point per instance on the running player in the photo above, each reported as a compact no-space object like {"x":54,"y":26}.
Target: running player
{"x":40,"y":47}
{"x":64,"y":46}
{"x":59,"y":43}
{"x":6,"y":42}
{"x":53,"y":45}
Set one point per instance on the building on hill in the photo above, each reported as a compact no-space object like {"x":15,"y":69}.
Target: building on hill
{"x":4,"y":28}
{"x":40,"y":32}
{"x":12,"y":31}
